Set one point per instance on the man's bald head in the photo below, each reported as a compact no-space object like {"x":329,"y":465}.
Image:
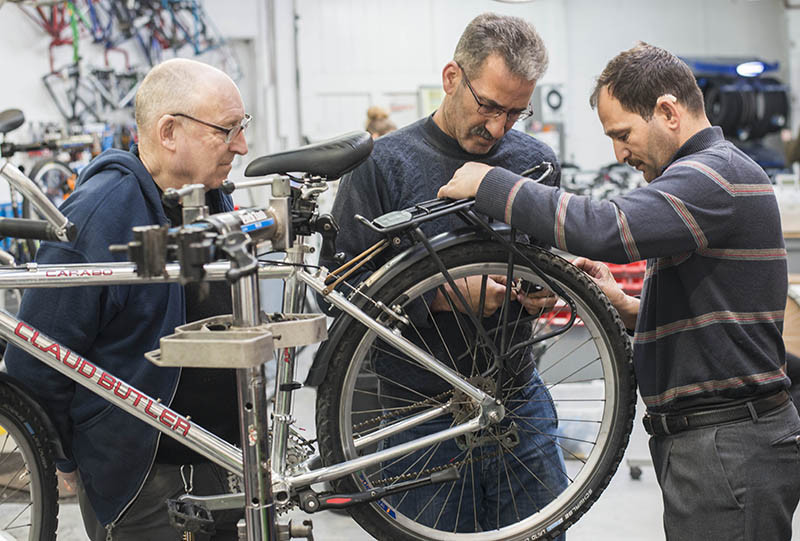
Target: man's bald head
{"x":182,"y":109}
{"x":178,"y":85}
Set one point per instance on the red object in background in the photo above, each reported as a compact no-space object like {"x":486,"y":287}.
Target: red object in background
{"x":629,"y":276}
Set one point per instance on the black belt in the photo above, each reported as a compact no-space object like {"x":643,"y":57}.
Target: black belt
{"x":666,"y":424}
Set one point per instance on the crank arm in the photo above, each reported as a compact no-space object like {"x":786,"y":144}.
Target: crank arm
{"x":216,"y":503}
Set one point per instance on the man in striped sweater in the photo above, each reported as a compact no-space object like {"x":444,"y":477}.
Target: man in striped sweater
{"x":708,"y":351}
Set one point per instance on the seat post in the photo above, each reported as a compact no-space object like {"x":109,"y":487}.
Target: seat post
{"x":254,"y":421}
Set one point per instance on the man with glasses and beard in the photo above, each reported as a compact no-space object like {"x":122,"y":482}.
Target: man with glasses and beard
{"x":488,"y":87}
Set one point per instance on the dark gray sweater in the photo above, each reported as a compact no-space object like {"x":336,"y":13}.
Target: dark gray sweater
{"x":709,"y":326}
{"x":408,"y":166}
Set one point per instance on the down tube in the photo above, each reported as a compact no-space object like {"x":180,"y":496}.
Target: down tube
{"x":447,"y":374}
{"x":119,"y":393}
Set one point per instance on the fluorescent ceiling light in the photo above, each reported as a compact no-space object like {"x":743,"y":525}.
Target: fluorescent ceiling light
{"x":750,"y":69}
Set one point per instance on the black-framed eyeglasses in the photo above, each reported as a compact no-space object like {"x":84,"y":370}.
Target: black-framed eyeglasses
{"x":230,"y":133}
{"x":493,"y":111}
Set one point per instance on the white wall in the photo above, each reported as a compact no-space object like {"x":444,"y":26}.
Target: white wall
{"x":599,"y":30}
{"x":793,"y":25}
{"x":356,"y":53}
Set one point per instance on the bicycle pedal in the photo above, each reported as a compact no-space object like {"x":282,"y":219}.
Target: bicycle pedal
{"x":190,"y":517}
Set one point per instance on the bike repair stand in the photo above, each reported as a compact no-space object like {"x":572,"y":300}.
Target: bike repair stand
{"x":243,"y":342}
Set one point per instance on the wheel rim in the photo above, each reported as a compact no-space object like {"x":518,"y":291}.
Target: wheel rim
{"x":559,"y":375}
{"x":53,"y":180}
{"x":20,"y":479}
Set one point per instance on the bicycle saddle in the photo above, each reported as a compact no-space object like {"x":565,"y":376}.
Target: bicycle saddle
{"x":331,"y":158}
{"x":10,"y":120}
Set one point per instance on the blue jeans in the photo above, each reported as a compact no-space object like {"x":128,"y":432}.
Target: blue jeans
{"x":497,"y":486}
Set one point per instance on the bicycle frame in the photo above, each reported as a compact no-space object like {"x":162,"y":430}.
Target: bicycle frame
{"x":267,"y":477}
{"x":259,"y":481}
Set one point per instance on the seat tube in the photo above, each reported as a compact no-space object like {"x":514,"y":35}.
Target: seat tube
{"x":293,"y":296}
{"x":253,"y":422}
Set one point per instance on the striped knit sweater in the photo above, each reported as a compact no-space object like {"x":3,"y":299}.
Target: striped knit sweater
{"x":711,"y":314}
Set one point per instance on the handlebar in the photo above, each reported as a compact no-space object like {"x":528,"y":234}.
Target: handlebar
{"x":65,"y":230}
{"x":8,"y":149}
{"x":21,"y":228}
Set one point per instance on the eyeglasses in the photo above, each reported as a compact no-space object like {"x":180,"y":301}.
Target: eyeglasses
{"x":494,"y":111}
{"x":230,"y":133}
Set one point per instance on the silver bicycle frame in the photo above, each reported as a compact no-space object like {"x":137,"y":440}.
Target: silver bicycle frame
{"x":259,"y":482}
{"x":264,"y":470}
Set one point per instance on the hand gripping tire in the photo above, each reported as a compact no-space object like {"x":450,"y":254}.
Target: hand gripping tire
{"x":514,"y":482}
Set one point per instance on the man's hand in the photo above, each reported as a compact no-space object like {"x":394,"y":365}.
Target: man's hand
{"x":465,"y":181}
{"x":68,"y":480}
{"x":535,"y":302}
{"x":627,"y":306}
{"x":470,"y":287}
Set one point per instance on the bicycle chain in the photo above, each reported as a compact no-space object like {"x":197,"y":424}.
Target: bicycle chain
{"x":416,"y":475}
{"x":427,"y":471}
{"x":401,"y":411}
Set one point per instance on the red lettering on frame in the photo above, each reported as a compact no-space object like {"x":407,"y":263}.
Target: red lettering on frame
{"x":182,"y":423}
{"x":34,"y":338}
{"x":73,"y":365}
{"x":54,"y":350}
{"x":18,"y":331}
{"x":127,"y":391}
{"x":147,"y":410}
{"x":80,"y":273}
{"x":84,"y":364}
{"x":138,"y":397}
{"x":107,"y":381}
{"x":166,"y":418}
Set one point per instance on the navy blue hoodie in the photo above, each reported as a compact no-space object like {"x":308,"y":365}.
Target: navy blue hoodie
{"x":112,"y":326}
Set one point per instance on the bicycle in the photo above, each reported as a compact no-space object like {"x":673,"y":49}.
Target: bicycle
{"x":54,"y":177}
{"x":580,"y":345}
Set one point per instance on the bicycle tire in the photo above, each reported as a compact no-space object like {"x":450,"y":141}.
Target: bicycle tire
{"x":55,"y":178}
{"x":28,"y":482}
{"x":350,"y":394}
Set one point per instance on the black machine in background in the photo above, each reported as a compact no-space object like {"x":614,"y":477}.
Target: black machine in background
{"x":746,"y":103}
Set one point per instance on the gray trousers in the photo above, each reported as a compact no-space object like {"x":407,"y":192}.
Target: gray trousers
{"x":147,"y":520}
{"x":732,"y":482}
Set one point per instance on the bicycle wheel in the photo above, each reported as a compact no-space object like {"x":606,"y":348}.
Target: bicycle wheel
{"x":28,"y":483}
{"x":56,"y":179}
{"x":570,"y":396}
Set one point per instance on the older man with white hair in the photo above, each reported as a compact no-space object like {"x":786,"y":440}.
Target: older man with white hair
{"x":191,"y":120}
